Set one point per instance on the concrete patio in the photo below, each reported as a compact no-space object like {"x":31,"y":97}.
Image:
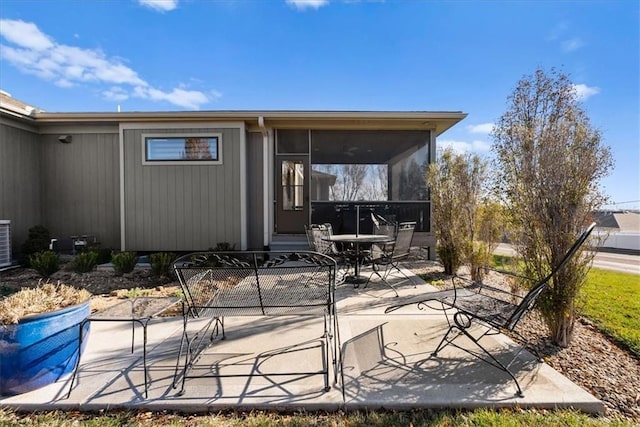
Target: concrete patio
{"x":386,"y":364}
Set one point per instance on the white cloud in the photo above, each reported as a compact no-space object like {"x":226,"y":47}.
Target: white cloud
{"x":38,"y":54}
{"x":25,"y":34}
{"x":160,"y":5}
{"x":215,"y":94}
{"x":561,"y":33}
{"x":572,"y":44}
{"x":484,"y":128}
{"x":304,"y":4}
{"x":478,"y":145}
{"x":464,"y":147}
{"x":557,"y":31}
{"x":115,"y":93}
{"x":184,"y":98}
{"x":584,"y":92}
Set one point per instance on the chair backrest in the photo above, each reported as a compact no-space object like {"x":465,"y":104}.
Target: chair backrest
{"x":402,"y":245}
{"x":531,"y":297}
{"x":310,"y":239}
{"x":256,"y":283}
{"x":382,"y":226}
{"x":316,"y":233}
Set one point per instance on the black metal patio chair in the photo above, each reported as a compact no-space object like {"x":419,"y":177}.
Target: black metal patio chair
{"x":383,"y":226}
{"x":316,"y":235}
{"x":386,"y":259}
{"x":495,"y":309}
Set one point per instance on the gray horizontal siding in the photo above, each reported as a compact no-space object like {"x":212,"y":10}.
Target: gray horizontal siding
{"x":19,"y":181}
{"x":181,"y":208}
{"x":80,"y":186}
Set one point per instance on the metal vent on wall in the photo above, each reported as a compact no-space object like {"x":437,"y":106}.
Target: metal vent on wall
{"x":5,"y":243}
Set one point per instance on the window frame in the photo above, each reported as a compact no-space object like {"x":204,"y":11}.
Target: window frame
{"x":146,"y":136}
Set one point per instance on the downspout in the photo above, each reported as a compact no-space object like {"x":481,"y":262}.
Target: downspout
{"x":265,"y":183}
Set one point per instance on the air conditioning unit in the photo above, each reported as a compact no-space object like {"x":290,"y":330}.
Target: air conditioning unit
{"x":5,"y":243}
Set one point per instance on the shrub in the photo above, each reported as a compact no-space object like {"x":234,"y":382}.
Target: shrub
{"x":104,"y":255}
{"x":45,"y":263}
{"x":38,"y":240}
{"x":224,"y":247}
{"x":138,"y":292}
{"x":449,"y":255}
{"x":162,"y":263}
{"x":123,"y":262}
{"x":85,"y":261}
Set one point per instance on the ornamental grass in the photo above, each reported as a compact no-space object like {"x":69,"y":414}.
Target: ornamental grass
{"x":44,"y":298}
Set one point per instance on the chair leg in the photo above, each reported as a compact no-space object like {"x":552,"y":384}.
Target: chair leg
{"x":444,"y":341}
{"x":375,"y":271}
{"x":497,"y":363}
{"x":493,"y":361}
{"x":396,"y":266}
{"x":383,"y":278}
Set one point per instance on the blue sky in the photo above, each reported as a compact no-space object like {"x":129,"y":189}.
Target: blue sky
{"x":159,"y":55}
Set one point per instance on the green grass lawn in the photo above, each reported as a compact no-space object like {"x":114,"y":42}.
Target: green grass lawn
{"x":479,"y":417}
{"x":612,"y":302}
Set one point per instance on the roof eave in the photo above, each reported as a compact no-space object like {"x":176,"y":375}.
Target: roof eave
{"x":440,"y":121}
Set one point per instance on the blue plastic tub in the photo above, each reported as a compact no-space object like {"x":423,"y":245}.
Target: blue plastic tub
{"x":40,"y":349}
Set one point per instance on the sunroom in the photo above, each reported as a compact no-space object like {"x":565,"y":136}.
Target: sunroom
{"x":343,"y":176}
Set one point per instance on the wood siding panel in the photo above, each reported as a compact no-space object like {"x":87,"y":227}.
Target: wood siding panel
{"x":20,"y":191}
{"x":80,"y":186}
{"x":181,"y":208}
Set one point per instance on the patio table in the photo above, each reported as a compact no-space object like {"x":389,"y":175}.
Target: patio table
{"x":357,"y":240}
{"x":138,"y":310}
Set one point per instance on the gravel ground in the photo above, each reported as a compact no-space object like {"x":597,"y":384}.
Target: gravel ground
{"x":592,"y":360}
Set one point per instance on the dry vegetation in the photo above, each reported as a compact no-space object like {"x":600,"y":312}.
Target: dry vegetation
{"x":45,"y":297}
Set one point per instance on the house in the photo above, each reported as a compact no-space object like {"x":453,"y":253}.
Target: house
{"x":184,"y":181}
{"x":618,"y":231}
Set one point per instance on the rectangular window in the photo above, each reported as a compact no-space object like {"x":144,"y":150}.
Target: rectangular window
{"x":196,"y":149}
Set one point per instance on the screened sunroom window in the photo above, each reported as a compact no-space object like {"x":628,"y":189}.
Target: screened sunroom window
{"x":369,"y":165}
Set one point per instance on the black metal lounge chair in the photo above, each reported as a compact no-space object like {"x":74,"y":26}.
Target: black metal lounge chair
{"x":493,"y":308}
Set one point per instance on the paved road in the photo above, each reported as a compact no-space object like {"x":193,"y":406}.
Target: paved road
{"x":606,"y":260}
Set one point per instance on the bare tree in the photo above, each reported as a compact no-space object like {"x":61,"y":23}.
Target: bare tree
{"x":444,"y":179}
{"x":356,"y":182}
{"x":375,"y":184}
{"x":351,"y":178}
{"x":550,"y":161}
{"x":196,"y":148}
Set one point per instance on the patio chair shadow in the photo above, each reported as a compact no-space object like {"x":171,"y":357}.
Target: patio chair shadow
{"x":377,"y":295}
{"x":377,"y":369}
{"x":247,"y":353}
{"x":245,"y":376}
